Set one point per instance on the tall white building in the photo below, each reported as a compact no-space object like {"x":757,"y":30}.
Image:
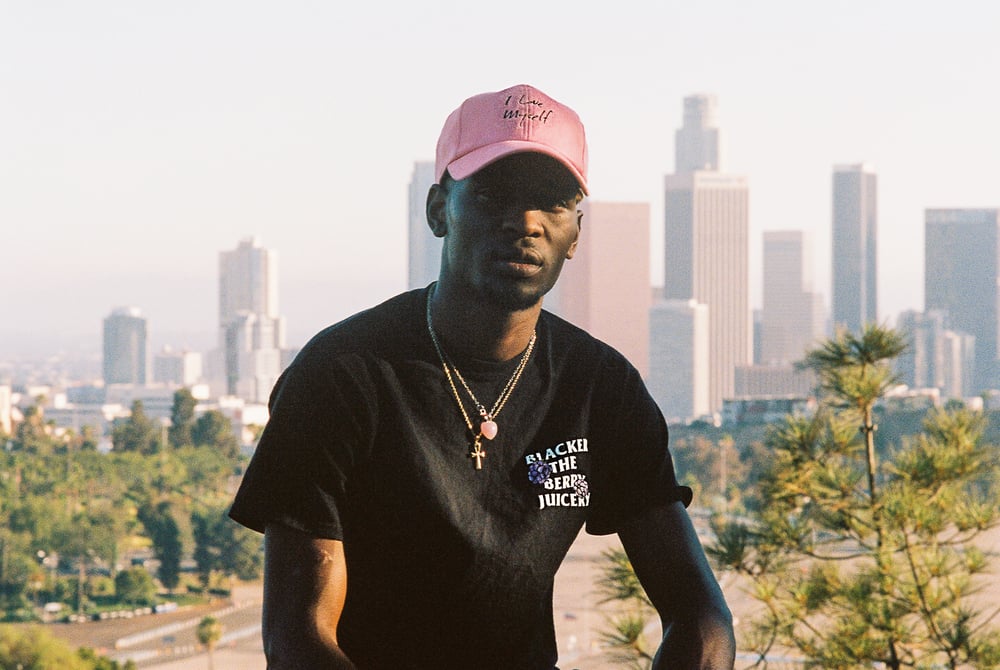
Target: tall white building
{"x":855,"y":237}
{"x":424,"y":249}
{"x":251,"y":331}
{"x":679,"y":360}
{"x":707,"y":245}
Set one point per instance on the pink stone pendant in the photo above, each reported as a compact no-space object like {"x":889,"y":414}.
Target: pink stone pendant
{"x":488,"y":429}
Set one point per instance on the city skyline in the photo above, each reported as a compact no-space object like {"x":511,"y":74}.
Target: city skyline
{"x":138,"y":141}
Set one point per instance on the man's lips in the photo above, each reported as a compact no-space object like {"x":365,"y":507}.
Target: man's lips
{"x":521,"y":263}
{"x":521,"y":256}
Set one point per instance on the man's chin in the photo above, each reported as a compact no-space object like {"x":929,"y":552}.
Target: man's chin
{"x":516,"y":298}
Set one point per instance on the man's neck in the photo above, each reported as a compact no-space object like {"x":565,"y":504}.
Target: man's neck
{"x":473,"y":329}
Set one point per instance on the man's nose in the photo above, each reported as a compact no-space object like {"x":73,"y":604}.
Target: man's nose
{"x":525,"y":220}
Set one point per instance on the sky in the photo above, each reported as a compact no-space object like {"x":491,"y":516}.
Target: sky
{"x":139,"y":139}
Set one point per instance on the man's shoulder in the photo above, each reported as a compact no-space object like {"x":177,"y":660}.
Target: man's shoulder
{"x":575,"y":343}
{"x":570,"y":337}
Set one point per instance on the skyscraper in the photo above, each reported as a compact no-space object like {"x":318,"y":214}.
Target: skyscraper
{"x":961,"y":276}
{"x":936,"y":357}
{"x":605,"y":288}
{"x":248,"y":281}
{"x":177,"y":368}
{"x":424,"y":249}
{"x":792,"y":316}
{"x":678,"y":358}
{"x":707,"y":246}
{"x":251,"y":331}
{"x":696,"y":144}
{"x":125,"y":347}
{"x":855,"y":231}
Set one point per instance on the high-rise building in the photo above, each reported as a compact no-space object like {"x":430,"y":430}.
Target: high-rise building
{"x":679,"y":360}
{"x":855,"y":234}
{"x":177,"y":368}
{"x":936,"y":357}
{"x":251,"y":331}
{"x":961,"y":278}
{"x":792,"y":317}
{"x":707,"y":245}
{"x":696,"y":143}
{"x":125,"y":347}
{"x":248,"y":281}
{"x":604,"y":288}
{"x":424,"y":248}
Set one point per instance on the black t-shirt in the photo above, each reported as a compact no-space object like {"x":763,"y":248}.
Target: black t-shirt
{"x":449,"y":566}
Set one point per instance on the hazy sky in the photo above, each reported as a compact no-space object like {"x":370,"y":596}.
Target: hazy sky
{"x":138,"y":139}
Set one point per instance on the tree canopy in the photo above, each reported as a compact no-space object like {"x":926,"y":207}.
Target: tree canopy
{"x":862,"y":556}
{"x":67,"y":510}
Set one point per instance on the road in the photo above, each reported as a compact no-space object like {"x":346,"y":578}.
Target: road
{"x":156,"y":640}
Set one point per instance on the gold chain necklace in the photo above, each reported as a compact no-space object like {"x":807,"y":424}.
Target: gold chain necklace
{"x":487,"y":426}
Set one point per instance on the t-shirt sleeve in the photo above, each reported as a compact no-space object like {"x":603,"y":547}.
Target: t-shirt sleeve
{"x":299,"y":472}
{"x":633,"y":469}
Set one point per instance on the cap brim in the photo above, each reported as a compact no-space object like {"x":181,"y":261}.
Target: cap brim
{"x":476,"y":160}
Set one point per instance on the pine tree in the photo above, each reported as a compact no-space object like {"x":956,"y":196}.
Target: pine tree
{"x":863,"y":556}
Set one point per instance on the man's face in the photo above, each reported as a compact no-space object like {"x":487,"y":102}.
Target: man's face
{"x":508,"y":228}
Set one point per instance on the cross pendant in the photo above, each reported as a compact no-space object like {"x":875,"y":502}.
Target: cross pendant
{"x":477,"y":453}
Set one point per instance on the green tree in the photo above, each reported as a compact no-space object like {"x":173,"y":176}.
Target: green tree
{"x":182,"y":418}
{"x":82,"y":539}
{"x":209,"y":632}
{"x":16,"y":569}
{"x":861,"y":559}
{"x":221,"y":545}
{"x":242,"y":553}
{"x":137,"y":433}
{"x":86,"y":440}
{"x":35,"y":647}
{"x":163,"y":530}
{"x":213,"y":429}
{"x":103,"y":662}
{"x":33,"y":435}
{"x":205,"y":526}
{"x":135,"y":586}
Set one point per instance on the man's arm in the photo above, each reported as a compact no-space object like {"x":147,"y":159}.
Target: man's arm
{"x":671,"y":566}
{"x":305,"y":583}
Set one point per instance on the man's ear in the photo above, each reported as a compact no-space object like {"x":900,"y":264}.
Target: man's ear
{"x":437,"y":206}
{"x":579,"y":226}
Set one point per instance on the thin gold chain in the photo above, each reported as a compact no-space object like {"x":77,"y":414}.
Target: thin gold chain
{"x":508,"y":388}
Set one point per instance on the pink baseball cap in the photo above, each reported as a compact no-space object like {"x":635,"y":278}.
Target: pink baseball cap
{"x":489,"y":126}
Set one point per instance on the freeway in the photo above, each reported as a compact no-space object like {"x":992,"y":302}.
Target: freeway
{"x":163,"y":640}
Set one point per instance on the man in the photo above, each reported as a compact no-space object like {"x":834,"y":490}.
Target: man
{"x":429,"y":462}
